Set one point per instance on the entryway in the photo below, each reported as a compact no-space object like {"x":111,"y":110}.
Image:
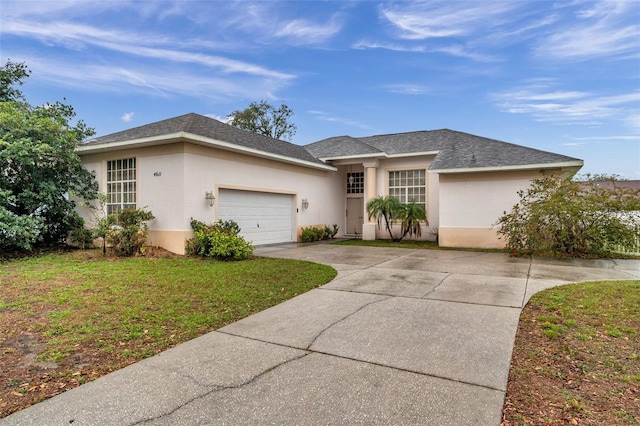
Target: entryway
{"x":355,"y":216}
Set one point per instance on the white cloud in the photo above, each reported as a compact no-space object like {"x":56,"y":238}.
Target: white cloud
{"x":363,"y":44}
{"x":127,"y":116}
{"x":603,"y":29}
{"x":407,"y":89}
{"x":149,"y":79}
{"x":567,"y":107}
{"x":463,"y":52}
{"x":436,"y":19}
{"x":225,"y":119}
{"x":75,"y":36}
{"x":134,"y":59}
{"x":302,"y":31}
{"x":325,"y":116}
{"x":453,"y":50}
{"x":529,"y":95}
{"x":609,"y":138}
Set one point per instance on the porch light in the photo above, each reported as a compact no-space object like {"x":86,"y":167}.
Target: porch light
{"x":210,"y":198}
{"x":305,"y":204}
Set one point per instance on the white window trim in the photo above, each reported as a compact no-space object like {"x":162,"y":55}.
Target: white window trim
{"x":112,"y":206}
{"x":407,"y":169}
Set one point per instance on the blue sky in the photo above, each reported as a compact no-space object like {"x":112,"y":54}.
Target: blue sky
{"x":558,"y":76}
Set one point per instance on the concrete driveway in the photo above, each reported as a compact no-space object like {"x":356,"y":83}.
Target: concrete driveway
{"x":399,"y":337}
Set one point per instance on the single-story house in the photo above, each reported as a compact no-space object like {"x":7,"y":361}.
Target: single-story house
{"x":193,"y":166}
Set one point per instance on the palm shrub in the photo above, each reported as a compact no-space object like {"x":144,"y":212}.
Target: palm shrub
{"x":219,"y":240}
{"x":561,"y":217}
{"x":389,"y":209}
{"x":410,"y":216}
{"x":383,"y":208}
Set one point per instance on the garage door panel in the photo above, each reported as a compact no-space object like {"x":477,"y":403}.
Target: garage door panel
{"x":264,"y":218}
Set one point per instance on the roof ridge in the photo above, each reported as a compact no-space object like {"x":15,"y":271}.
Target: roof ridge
{"x":187,"y":121}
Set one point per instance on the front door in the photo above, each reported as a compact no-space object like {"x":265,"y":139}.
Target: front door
{"x":355,"y":215}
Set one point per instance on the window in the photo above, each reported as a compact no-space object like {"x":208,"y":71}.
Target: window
{"x":121,"y":184}
{"x":355,"y":183}
{"x":408,"y":186}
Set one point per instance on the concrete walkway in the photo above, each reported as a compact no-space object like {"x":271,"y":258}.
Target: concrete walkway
{"x":399,"y":337}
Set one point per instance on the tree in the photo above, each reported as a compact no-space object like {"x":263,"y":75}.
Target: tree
{"x":562,"y":217}
{"x":390,"y":209}
{"x":264,"y":119}
{"x":40,"y":172}
{"x":12,"y":73}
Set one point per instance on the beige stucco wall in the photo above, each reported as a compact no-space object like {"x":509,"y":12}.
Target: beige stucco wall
{"x":172,"y":181}
{"x":471,"y":204}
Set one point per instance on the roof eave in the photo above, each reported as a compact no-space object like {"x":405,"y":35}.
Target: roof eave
{"x":200,"y":140}
{"x":356,"y":156}
{"x":412,"y":154}
{"x":521,"y":167}
{"x":380,"y":155}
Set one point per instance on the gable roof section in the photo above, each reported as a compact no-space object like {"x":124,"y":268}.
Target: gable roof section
{"x":342,"y":147}
{"x":205,"y":131}
{"x":455,"y":151}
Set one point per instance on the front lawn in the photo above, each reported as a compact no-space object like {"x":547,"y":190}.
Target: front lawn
{"x":68,"y":318}
{"x":576,"y":359}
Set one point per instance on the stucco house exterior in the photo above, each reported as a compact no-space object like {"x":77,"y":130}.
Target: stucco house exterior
{"x":193,"y":166}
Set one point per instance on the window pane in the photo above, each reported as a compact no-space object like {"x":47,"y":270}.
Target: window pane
{"x":121,"y":184}
{"x":408,"y":186}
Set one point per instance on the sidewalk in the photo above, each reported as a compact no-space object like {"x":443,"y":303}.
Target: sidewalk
{"x":399,"y":337}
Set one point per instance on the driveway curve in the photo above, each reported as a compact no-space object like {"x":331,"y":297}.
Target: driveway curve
{"x":400,"y":336}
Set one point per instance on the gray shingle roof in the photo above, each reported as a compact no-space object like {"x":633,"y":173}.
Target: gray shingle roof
{"x":455,"y":150}
{"x":210,"y":128}
{"x":341,"y":146}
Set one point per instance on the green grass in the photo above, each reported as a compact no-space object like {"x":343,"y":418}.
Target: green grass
{"x":592,"y":310}
{"x":577,"y":348}
{"x":140,"y":306}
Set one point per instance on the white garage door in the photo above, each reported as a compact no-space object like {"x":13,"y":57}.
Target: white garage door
{"x":264,"y":218}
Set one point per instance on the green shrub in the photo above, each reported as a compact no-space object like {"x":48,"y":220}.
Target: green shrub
{"x":125,"y":231}
{"x":219,"y":240}
{"x":311,"y":234}
{"x":81,"y":237}
{"x":330,"y":233}
{"x":226,"y":226}
{"x":560,"y":217}
{"x":18,"y":233}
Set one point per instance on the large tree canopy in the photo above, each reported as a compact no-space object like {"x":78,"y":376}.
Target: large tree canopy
{"x":40,"y":172}
{"x":264,"y":119}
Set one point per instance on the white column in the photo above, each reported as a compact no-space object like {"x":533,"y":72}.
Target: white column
{"x":371,"y":191}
